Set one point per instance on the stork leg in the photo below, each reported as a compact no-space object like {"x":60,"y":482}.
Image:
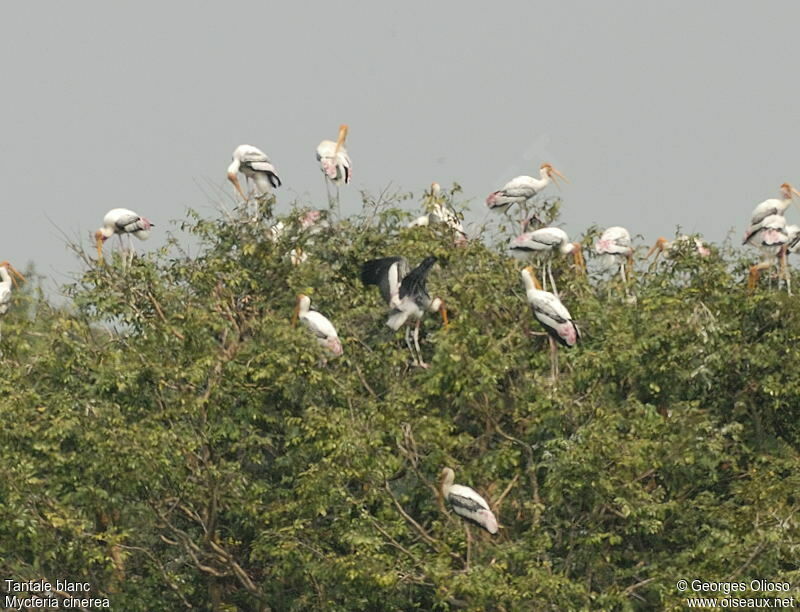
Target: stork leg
{"x":469,"y":544}
{"x":422,"y":364}
{"x":550,"y":273}
{"x":787,"y":274}
{"x":553,"y":359}
{"x":338,"y":202}
{"x":408,"y":344}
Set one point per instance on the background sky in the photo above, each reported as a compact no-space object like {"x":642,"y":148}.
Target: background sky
{"x":661,"y":114}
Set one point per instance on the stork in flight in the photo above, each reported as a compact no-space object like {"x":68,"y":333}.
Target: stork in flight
{"x":521,"y":189}
{"x":406,"y":293}
{"x":552,"y":315}
{"x":335,"y":162}
{"x":544,"y":243}
{"x":257,"y":169}
{"x":121,"y":221}
{"x":318,"y":324}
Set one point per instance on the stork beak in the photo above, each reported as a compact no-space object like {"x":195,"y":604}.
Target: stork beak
{"x":15,"y":275}
{"x":443,"y":312}
{"x":98,"y":243}
{"x":342,"y":136}
{"x":235,"y":180}
{"x":657,"y":247}
{"x":555,"y":172}
{"x":577,"y":257}
{"x":296,"y":313}
{"x":630,"y":261}
{"x":532,"y":272}
{"x":794,"y":191}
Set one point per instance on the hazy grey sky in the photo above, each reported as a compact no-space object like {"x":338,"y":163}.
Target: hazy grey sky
{"x":661,"y":114}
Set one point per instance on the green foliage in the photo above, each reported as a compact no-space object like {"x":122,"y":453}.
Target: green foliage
{"x":170,"y":438}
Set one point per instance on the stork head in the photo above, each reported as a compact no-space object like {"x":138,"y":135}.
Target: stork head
{"x":529,"y":278}
{"x":788,"y":192}
{"x":658,"y":248}
{"x":548,"y":170}
{"x":577,"y":257}
{"x":446,"y":479}
{"x":100,"y":236}
{"x":438,"y":305}
{"x":13,"y":272}
{"x":233,"y":177}
{"x":302,"y":305}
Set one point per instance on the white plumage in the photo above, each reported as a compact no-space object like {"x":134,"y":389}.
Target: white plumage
{"x":439,"y":212}
{"x":615,"y":247}
{"x":319,"y":325}
{"x":521,"y":189}
{"x":467,"y":503}
{"x":121,"y":221}
{"x":9,"y":276}
{"x":771,"y":237}
{"x":662,"y":245}
{"x":544,"y":243}
{"x":334,"y":160}
{"x":774,"y":206}
{"x":257,"y":169}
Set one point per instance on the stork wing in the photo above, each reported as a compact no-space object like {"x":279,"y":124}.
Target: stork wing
{"x":377,"y":272}
{"x":414,"y":282}
{"x":129,"y":223}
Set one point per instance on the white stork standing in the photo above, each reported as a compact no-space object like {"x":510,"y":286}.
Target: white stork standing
{"x":522,"y":188}
{"x":774,"y":206}
{"x":668,"y":247}
{"x":439,"y":212}
{"x":467,"y":503}
{"x":257,"y":169}
{"x":319,"y":325}
{"x":121,"y":221}
{"x":615,"y":247}
{"x":770,"y":236}
{"x":405,"y":292}
{"x":335,"y":162}
{"x":9,"y":276}
{"x":545,"y":242}
{"x":553,"y":316}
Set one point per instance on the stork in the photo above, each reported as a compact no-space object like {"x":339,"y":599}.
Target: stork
{"x":335,"y":162}
{"x":615,"y":247}
{"x":257,"y":169}
{"x":406,"y":293}
{"x":121,"y":221}
{"x":552,"y":315}
{"x":668,"y":247}
{"x":774,"y":206}
{"x":318,"y":324}
{"x":467,"y":503}
{"x":771,"y":237}
{"x":9,"y":276}
{"x":438,"y":211}
{"x":545,"y":242}
{"x":521,"y":189}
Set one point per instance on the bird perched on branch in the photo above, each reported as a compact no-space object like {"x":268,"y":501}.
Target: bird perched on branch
{"x":615,"y":247}
{"x":9,"y":276}
{"x":121,"y":221}
{"x":552,"y":315}
{"x":257,"y":169}
{"x":318,"y":324}
{"x":466,"y":503}
{"x":522,"y":188}
{"x":334,"y":160}
{"x":774,"y":206}
{"x":406,"y":293}
{"x":544,"y":243}
{"x":438,"y":211}
{"x":771,"y":237}
{"x":667,"y":247}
